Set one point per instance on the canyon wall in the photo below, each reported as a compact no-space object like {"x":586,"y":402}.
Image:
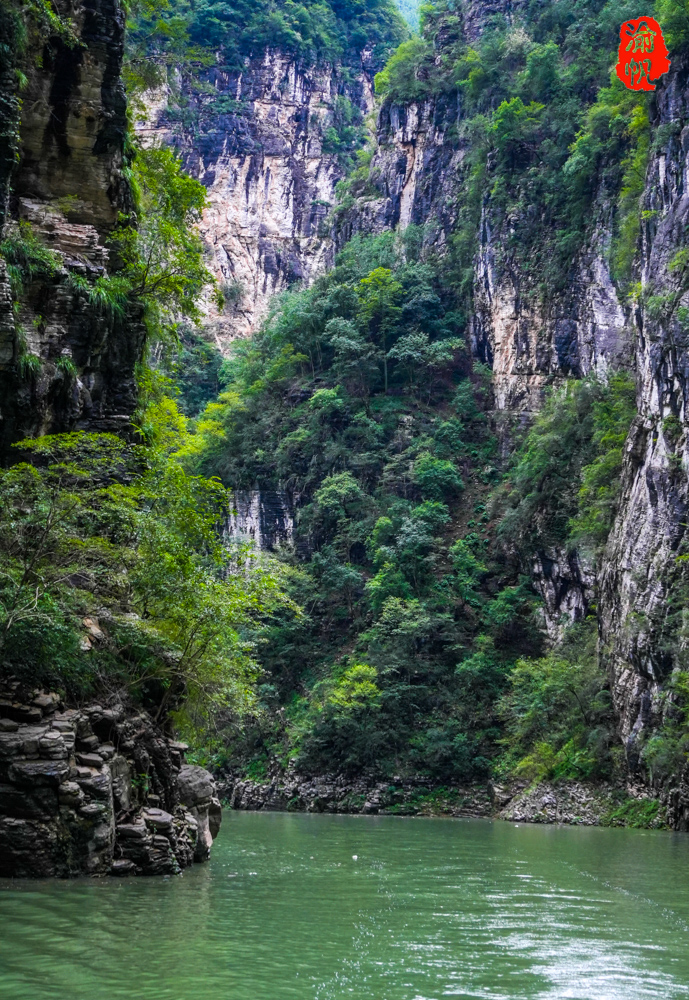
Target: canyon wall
{"x":588,"y":326}
{"x":265,"y":143}
{"x":417,"y":170}
{"x":258,"y":144}
{"x":66,"y":363}
{"x":643,"y":591}
{"x":98,"y":789}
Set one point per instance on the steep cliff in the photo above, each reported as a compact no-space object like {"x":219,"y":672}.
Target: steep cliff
{"x":65,"y":362}
{"x":420,"y":175}
{"x":532,"y":341}
{"x":270,"y":164}
{"x":270,"y":121}
{"x":642,"y":581}
{"x":430,"y":170}
{"x":98,"y":788}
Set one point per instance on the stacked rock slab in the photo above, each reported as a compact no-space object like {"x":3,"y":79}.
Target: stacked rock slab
{"x":95,"y":791}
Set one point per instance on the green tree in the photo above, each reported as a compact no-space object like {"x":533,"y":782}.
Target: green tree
{"x":113,"y":571}
{"x":160,"y":248}
{"x":380,"y":293}
{"x":557,"y":712}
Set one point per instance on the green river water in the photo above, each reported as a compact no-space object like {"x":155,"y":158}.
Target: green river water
{"x":426,"y":909}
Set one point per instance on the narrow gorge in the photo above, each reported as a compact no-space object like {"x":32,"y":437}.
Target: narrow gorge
{"x":342,"y":421}
{"x":603,"y":294}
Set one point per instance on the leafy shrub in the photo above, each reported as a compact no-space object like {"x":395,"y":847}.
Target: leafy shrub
{"x":437,"y":478}
{"x":639,"y":814}
{"x":566,"y":474}
{"x":29,"y":365}
{"x":312,"y":30}
{"x":99,"y":532}
{"x":27,"y":257}
{"x":557,"y":712}
{"x":405,"y":76}
{"x":162,"y":255}
{"x":601,"y":483}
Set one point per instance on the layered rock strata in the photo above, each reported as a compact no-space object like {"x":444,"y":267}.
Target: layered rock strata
{"x":96,"y":790}
{"x":67,"y":191}
{"x":643,"y":580}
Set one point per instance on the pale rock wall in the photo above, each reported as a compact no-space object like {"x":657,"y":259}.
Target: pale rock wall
{"x":417,"y":169}
{"x":264,"y":519}
{"x":270,"y":184}
{"x":529,"y":346}
{"x":650,"y":532}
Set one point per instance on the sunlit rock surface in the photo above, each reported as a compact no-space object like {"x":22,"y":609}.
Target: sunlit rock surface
{"x":270,"y":181}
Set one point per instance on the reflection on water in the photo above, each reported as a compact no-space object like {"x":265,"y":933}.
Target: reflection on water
{"x":429,"y":909}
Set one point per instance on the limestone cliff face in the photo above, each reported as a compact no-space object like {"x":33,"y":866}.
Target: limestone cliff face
{"x":264,"y":143}
{"x":415,"y":173}
{"x":530,"y":346}
{"x":644,"y":633}
{"x":69,"y":187}
{"x":417,"y":169}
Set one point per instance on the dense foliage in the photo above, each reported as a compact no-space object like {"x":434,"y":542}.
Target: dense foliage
{"x":186,"y":32}
{"x":113,"y":573}
{"x":420,"y":650}
{"x":160,"y":272}
{"x":566,"y":479}
{"x":547,"y":136}
{"x":358,"y":401}
{"x":557,"y":713}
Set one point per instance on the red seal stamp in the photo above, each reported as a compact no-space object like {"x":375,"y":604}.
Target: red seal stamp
{"x":643,"y":54}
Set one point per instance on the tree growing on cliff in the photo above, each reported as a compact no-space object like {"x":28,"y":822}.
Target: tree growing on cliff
{"x":159,"y":247}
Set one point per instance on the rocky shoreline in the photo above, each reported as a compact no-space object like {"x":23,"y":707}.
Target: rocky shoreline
{"x":96,"y":790}
{"x":573,"y":803}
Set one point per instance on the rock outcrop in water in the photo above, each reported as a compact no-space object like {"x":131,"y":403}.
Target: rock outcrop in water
{"x":96,"y":790}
